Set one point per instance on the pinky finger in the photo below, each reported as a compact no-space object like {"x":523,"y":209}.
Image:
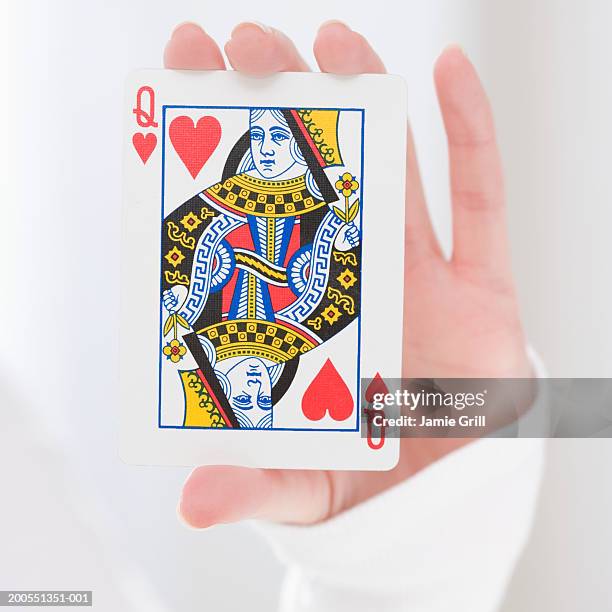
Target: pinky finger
{"x":480,"y":241}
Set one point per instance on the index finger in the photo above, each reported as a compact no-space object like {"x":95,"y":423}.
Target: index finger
{"x":191,"y":48}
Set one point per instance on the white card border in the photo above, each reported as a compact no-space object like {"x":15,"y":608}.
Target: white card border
{"x":381,"y":154}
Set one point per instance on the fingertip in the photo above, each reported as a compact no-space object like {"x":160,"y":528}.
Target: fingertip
{"x":332,"y":35}
{"x":199,"y":504}
{"x":180,"y":515}
{"x":340,"y":50}
{"x":333,"y":40}
{"x":465,"y":106}
{"x":454,"y":51}
{"x":333,"y":24}
{"x":213,"y":495}
{"x":191,"y":48}
{"x":259,"y":50}
{"x":452,"y":64}
{"x":255,"y":28}
{"x":251,"y":48}
{"x":186,"y":28}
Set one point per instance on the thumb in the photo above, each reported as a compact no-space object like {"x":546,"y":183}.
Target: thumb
{"x":226,"y":494}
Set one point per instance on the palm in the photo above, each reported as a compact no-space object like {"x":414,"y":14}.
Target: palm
{"x":458,"y":327}
{"x":461,"y":317}
{"x":454,"y":328}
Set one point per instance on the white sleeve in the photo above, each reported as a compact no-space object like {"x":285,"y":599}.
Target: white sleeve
{"x":445,"y":540}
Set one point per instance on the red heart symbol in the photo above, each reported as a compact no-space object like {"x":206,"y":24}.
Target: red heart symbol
{"x":144,"y":145}
{"x":376,"y":386}
{"x":195,"y":143}
{"x":327,"y":393}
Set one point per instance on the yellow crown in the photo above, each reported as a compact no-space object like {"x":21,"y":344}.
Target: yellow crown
{"x":256,"y":338}
{"x":322,"y":128}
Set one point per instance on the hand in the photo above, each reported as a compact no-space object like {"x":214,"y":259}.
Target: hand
{"x":461,"y":316}
{"x":170,"y":300}
{"x":347,"y":238}
{"x":174,"y":298}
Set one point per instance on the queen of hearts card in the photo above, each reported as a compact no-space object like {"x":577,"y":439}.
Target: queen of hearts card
{"x":259,"y":269}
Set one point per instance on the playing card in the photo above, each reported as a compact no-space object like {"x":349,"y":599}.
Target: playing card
{"x":262,"y":259}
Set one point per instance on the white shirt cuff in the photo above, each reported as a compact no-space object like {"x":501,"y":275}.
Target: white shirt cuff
{"x":445,"y":539}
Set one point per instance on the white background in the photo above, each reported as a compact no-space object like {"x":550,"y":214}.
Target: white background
{"x":547,"y":67}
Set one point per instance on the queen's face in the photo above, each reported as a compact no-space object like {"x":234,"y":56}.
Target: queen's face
{"x":250,"y":385}
{"x":271,"y":146}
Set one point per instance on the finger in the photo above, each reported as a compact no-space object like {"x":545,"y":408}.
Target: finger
{"x":222,"y":494}
{"x":420,"y":238}
{"x":340,"y":50}
{"x":477,"y":193}
{"x":259,"y":50}
{"x":190,"y":48}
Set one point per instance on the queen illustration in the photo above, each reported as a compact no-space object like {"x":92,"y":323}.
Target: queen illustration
{"x":260,"y":268}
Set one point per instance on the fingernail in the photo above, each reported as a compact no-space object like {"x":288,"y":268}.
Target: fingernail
{"x":187,"y":24}
{"x":454,"y":47}
{"x":332,"y":22}
{"x":264,"y":28}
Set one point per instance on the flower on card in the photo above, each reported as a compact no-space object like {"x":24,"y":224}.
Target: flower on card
{"x":347,"y":185}
{"x":174,"y":351}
